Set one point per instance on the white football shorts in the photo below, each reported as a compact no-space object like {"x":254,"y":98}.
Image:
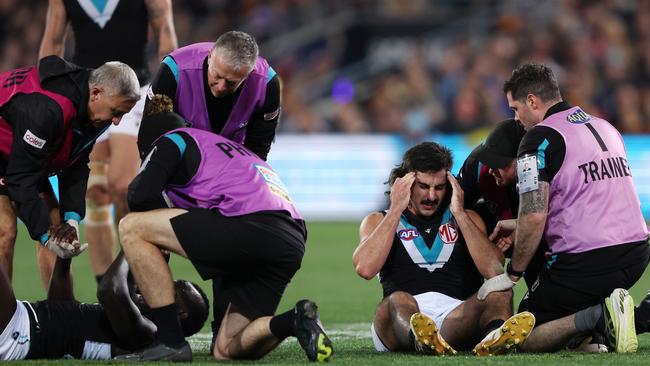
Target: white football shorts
{"x":433,"y":304}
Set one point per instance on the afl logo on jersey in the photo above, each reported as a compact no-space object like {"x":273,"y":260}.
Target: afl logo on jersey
{"x":448,"y":233}
{"x":408,"y":234}
{"x":578,"y":117}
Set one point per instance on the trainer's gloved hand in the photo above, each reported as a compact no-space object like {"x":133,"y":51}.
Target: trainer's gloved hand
{"x":501,"y":282}
{"x":65,"y":250}
{"x":64,"y":240}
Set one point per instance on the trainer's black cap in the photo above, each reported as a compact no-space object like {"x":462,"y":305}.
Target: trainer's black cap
{"x":155,"y":125}
{"x":501,"y":145}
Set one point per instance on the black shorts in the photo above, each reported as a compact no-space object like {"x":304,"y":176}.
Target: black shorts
{"x":44,"y":185}
{"x":253,"y":257}
{"x":568,"y":283}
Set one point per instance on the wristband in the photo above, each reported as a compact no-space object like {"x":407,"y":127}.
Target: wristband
{"x":44,"y":238}
{"x":512,"y":272}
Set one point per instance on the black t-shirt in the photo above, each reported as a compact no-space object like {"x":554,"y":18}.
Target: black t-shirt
{"x":547,"y":144}
{"x":163,"y":166}
{"x":260,"y":131}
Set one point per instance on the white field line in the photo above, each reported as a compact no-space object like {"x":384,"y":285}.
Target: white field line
{"x":201,"y":341}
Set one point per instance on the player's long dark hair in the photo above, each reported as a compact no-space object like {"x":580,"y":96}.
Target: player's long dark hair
{"x":426,"y":157}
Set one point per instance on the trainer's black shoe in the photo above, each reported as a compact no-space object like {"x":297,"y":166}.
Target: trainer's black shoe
{"x":310,"y":333}
{"x":160,"y":352}
{"x":642,"y":315}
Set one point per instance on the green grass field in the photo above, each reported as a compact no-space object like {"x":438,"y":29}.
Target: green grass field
{"x":346,"y":304}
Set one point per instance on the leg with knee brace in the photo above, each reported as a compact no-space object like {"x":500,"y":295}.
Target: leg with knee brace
{"x":99,"y":210}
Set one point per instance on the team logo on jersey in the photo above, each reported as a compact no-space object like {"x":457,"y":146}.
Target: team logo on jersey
{"x":448,"y":233}
{"x":273,"y":181}
{"x":578,"y":117}
{"x":408,"y":234}
{"x":100,"y":11}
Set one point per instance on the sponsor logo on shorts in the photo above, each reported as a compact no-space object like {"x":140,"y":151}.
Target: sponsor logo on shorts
{"x":408,"y":234}
{"x":2,"y":181}
{"x":448,"y":233}
{"x":33,"y":140}
{"x":20,"y":339}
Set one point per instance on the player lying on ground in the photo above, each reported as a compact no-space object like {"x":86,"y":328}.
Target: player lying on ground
{"x":61,"y":326}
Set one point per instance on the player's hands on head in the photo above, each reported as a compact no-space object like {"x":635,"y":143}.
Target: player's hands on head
{"x":458,"y":195}
{"x":400,"y":192}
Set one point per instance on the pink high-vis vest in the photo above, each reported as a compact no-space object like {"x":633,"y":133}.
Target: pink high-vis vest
{"x":592,"y":200}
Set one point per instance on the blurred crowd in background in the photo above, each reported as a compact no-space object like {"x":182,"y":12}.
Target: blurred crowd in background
{"x":412,"y":67}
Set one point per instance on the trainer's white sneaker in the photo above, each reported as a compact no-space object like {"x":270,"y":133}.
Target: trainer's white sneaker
{"x":508,"y":337}
{"x":427,"y":338}
{"x":618,"y":322}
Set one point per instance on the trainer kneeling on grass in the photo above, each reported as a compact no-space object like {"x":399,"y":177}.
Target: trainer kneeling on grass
{"x":235,"y":221}
{"x":575,"y":188}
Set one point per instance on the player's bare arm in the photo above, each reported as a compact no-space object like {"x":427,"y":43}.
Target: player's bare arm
{"x":162,"y":24}
{"x":533,"y":209}
{"x":488,"y":259}
{"x":376,"y":231}
{"x":55,"y":30}
{"x":60,"y":287}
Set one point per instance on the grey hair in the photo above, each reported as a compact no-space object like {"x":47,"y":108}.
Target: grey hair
{"x":118,"y":79}
{"x":237,"y":49}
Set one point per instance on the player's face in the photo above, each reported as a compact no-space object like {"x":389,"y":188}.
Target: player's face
{"x":104,"y":108}
{"x":427,"y":192}
{"x":222,"y":78}
{"x":523,"y":112}
{"x":505,"y":176}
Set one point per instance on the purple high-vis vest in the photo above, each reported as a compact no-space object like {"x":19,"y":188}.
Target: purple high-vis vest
{"x":592,"y":200}
{"x":190,"y":92}
{"x":231,"y":179}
